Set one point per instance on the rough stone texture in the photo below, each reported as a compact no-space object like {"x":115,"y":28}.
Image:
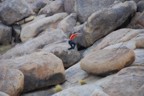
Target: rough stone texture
{"x":140,"y":6}
{"x":14,"y":10}
{"x":131,"y":38}
{"x":3,"y":94}
{"x":128,"y":82}
{"x":103,"y":22}
{"x":5,"y":34}
{"x":55,"y":6}
{"x":60,"y":49}
{"x":84,"y":8}
{"x":139,"y":57}
{"x":74,"y":74}
{"x":85,"y":90}
{"x":11,"y":81}
{"x":105,"y":61}
{"x":35,"y":44}
{"x":137,"y":22}
{"x":36,"y":5}
{"x":69,"y":6}
{"x":68,"y":23}
{"x":33,"y":29}
{"x":40,"y":69}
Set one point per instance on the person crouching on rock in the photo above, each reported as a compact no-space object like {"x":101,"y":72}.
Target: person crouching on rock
{"x":71,"y":40}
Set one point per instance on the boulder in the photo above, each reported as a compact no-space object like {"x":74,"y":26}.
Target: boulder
{"x":140,"y":6}
{"x":68,"y":23}
{"x":36,"y":5}
{"x":60,"y":49}
{"x":5,"y":34}
{"x":128,"y":82}
{"x":3,"y":94}
{"x":39,"y":68}
{"x":131,"y":38}
{"x":35,"y":44}
{"x":11,"y":81}
{"x":85,"y":8}
{"x":75,"y":74}
{"x":69,"y":6}
{"x":103,"y":22}
{"x":33,"y":29}
{"x":12,"y":11}
{"x":56,"y":6}
{"x":103,"y":62}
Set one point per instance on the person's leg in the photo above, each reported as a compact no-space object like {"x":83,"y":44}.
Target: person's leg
{"x":71,"y":44}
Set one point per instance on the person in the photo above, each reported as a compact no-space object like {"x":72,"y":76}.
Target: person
{"x":71,"y":40}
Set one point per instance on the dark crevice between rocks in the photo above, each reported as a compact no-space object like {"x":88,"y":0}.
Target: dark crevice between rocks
{"x":16,"y":34}
{"x":126,"y":23}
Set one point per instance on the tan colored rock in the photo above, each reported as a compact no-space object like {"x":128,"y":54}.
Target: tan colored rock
{"x":33,"y":29}
{"x":11,"y":81}
{"x":35,"y":44}
{"x":40,"y":69}
{"x":107,"y":60}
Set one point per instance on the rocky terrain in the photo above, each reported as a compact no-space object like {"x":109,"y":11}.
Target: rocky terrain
{"x":108,"y":59}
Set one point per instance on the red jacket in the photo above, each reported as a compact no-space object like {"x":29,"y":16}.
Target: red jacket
{"x":72,"y":36}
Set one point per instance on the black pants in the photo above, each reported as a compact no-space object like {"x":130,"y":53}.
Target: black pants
{"x":72,"y":44}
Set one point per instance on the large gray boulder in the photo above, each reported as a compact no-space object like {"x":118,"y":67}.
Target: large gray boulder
{"x":69,"y":57}
{"x":5,"y":34}
{"x":14,"y":10}
{"x":128,"y":82}
{"x":68,"y":23}
{"x":40,"y":69}
{"x":35,"y":44}
{"x":84,"y":8}
{"x":36,"y":5}
{"x":56,"y":6}
{"x":103,"y":22}
{"x":33,"y":29}
{"x":11,"y":81}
